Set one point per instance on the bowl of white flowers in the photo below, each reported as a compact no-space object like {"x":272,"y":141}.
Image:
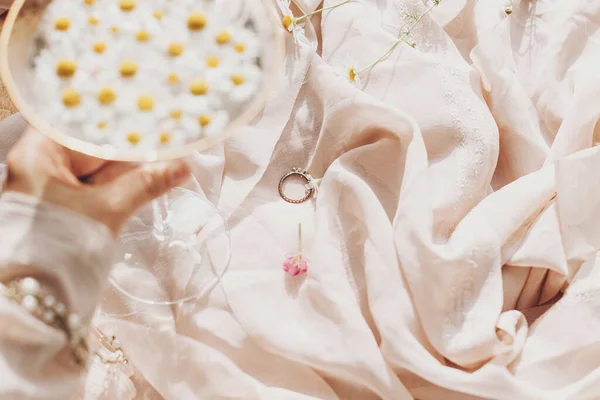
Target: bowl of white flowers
{"x":141,"y":80}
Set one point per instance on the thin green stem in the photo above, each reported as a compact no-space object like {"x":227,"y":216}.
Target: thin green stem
{"x":320,"y":10}
{"x":299,"y":238}
{"x":400,"y":39}
{"x":386,"y":54}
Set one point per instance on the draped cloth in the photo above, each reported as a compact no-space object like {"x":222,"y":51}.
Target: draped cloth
{"x":453,"y":244}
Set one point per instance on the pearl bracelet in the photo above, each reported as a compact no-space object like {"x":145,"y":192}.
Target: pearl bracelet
{"x":28,"y":293}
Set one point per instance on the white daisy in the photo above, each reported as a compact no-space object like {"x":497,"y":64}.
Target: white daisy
{"x":181,"y":125}
{"x":56,"y":70}
{"x":217,"y":122}
{"x":128,"y":14}
{"x":289,"y":23}
{"x":96,"y":22}
{"x":193,"y":104}
{"x":144,"y":99}
{"x":192,"y":120}
{"x":176,"y":47}
{"x":101,"y":52}
{"x":218,"y":66}
{"x":177,"y":75}
{"x":69,"y":106}
{"x":133,"y":68}
{"x":170,"y":139}
{"x":63,"y":24}
{"x":348,"y":71}
{"x":99,"y":126}
{"x":135,"y":132}
{"x":143,"y":28}
{"x":195,"y":20}
{"x":246,"y":44}
{"x":243,"y":83}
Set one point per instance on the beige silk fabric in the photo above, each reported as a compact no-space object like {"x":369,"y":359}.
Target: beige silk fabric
{"x":453,"y":244}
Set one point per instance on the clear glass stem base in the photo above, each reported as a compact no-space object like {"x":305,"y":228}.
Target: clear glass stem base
{"x":174,"y":250}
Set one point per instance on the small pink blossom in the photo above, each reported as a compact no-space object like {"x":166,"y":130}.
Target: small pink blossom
{"x":295,"y":264}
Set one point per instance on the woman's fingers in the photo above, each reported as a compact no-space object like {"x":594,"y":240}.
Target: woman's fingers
{"x":143,"y":184}
{"x":82,"y":165}
{"x":109,"y":172}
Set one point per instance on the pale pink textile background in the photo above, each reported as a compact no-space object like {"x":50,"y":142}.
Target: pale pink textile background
{"x":459,"y":195}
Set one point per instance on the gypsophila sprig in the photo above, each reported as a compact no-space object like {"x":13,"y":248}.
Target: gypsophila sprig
{"x":354,"y":74}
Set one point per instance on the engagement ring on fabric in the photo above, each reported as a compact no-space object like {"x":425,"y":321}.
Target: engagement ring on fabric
{"x":311,"y":187}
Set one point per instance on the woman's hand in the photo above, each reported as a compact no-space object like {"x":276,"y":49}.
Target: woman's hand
{"x":113,"y":192}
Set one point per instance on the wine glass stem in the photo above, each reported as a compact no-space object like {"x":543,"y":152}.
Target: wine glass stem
{"x":160,"y":212}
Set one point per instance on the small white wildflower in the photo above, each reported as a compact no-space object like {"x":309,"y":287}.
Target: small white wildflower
{"x":195,"y":104}
{"x":63,"y":23}
{"x":245,"y":44}
{"x":349,"y":71}
{"x":243,"y":83}
{"x":128,"y":14}
{"x":136,"y":132}
{"x":148,"y":99}
{"x":56,"y":69}
{"x":218,"y":122}
{"x":99,"y":125}
{"x":290,"y":24}
{"x":181,"y":124}
{"x":69,"y":106}
{"x":100,"y":55}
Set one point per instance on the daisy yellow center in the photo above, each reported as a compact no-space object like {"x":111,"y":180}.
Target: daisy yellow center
{"x":93,"y":21}
{"x":106,"y":96}
{"x":199,"y":87}
{"x":145,"y":103}
{"x":127,"y":5}
{"x":142,"y":36}
{"x":352,"y":74}
{"x":71,"y":98}
{"x":158,"y":14}
{"x":213,"y":61}
{"x":165,"y":138}
{"x":114,"y":29}
{"x":196,"y":21}
{"x":240,"y":47}
{"x":176,"y":114}
{"x":134,"y":138}
{"x":99,"y":47}
{"x":89,"y":2}
{"x":223,"y":38}
{"x":66,"y":68}
{"x":101,"y":125}
{"x":287,"y":22}
{"x":62,"y":24}
{"x":175,"y":49}
{"x":238,"y":79}
{"x":173,"y":78}
{"x":128,"y":69}
{"x":204,"y":120}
